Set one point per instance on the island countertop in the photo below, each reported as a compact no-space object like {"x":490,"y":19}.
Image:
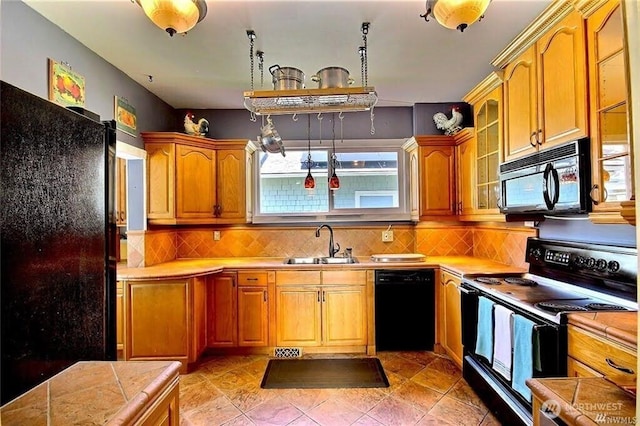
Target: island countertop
{"x":182,"y":268}
{"x":95,"y":393}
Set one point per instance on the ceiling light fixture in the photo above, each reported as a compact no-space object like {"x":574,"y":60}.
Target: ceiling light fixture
{"x":174,"y":16}
{"x":455,"y":14}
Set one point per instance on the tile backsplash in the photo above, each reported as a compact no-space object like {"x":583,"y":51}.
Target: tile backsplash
{"x":500,"y":243}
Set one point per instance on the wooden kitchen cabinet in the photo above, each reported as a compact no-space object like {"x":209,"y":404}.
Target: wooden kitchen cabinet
{"x":478,"y":165}
{"x":119,"y":319}
{"x":545,"y":83}
{"x":121,"y":192}
{"x":194,"y":180}
{"x":253,"y":309}
{"x":595,"y":355}
{"x":612,"y":165}
{"x":436,"y":177}
{"x":451,"y":316}
{"x":222,"y":309}
{"x":328,"y":311}
{"x":163,"y":320}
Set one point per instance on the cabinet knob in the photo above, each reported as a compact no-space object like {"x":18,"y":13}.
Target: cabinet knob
{"x":532,"y":140}
{"x":593,"y":200}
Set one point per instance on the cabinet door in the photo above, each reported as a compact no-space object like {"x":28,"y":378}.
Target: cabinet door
{"x":414,"y":184}
{"x":465,"y":153}
{"x":298,"y":316}
{"x":452,"y":323}
{"x":488,"y":141}
{"x":157,"y":320}
{"x":199,"y":333}
{"x":231,"y":189}
{"x":562,"y":77}
{"x":520,"y":106}
{"x":160,"y":180}
{"x":195,"y":182}
{"x":253,"y":316}
{"x":437,"y":181}
{"x":610,"y":147}
{"x":344,"y":315}
{"x":222,"y":308}
{"x":120,"y":318}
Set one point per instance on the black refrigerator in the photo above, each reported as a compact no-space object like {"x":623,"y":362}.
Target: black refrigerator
{"x":57,"y":232}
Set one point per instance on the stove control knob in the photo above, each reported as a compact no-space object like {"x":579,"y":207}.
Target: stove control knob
{"x":591,"y":262}
{"x":580,"y":261}
{"x":601,"y":265}
{"x":613,"y":266}
{"x":536,"y":253}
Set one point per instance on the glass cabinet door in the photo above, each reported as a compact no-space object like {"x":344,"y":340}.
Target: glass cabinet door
{"x":488,"y":155}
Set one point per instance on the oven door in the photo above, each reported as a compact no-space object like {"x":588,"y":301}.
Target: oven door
{"x":496,"y":391}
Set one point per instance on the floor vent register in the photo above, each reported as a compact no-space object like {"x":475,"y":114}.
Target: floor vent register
{"x":287,"y":352}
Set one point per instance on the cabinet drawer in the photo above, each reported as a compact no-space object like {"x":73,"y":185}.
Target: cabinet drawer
{"x":297,"y":277}
{"x":603,"y":355}
{"x":344,"y":277}
{"x":252,"y":279}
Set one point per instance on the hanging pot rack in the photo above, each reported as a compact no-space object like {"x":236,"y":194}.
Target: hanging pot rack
{"x":306,"y":101}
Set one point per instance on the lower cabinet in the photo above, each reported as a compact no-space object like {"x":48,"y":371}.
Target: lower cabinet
{"x":592,"y":355}
{"x":450,"y":316}
{"x":166,"y":410}
{"x":162,"y":322}
{"x":238,"y":309}
{"x":315,"y":308}
{"x":120,"y":319}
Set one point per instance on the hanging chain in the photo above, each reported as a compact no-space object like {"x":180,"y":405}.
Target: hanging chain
{"x":341,"y":117}
{"x":260,"y":56}
{"x":373,"y":129}
{"x":364,"y":55}
{"x":252,"y":36}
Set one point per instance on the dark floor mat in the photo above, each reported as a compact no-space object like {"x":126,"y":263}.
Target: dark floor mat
{"x":324,"y":373}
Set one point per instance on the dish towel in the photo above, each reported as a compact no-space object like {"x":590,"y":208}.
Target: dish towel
{"x":502,"y":343}
{"x":522,"y":355}
{"x":484,"y":337}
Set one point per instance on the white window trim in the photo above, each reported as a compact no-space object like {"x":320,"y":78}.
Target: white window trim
{"x":359,"y":194}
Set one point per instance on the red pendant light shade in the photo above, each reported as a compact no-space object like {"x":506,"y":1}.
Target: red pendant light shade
{"x":309,"y":181}
{"x":334,"y":182}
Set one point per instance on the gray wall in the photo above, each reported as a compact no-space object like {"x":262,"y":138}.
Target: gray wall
{"x":28,"y":40}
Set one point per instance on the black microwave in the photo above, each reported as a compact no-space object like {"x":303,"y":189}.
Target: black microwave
{"x":553,"y":181}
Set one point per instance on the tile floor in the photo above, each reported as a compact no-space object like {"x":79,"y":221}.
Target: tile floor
{"x":425,"y":389}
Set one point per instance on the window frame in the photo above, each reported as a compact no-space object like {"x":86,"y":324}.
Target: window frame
{"x":398,"y":214}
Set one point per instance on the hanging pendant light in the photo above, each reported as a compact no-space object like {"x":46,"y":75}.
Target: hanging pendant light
{"x":174,"y":16}
{"x":334,"y":181}
{"x":455,"y":14}
{"x":309,"y":181}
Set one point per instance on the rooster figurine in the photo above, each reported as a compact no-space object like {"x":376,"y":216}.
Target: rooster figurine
{"x":199,"y":129}
{"x":452,"y":125}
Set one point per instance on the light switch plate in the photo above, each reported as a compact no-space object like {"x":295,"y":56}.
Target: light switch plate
{"x":387,"y":236}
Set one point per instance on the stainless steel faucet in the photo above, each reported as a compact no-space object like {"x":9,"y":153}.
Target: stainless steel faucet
{"x":333,"y":248}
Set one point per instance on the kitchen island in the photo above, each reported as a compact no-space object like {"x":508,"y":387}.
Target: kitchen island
{"x":101,"y":393}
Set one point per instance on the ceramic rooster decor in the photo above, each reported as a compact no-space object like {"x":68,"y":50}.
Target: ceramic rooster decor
{"x":201,"y":128}
{"x":452,"y":125}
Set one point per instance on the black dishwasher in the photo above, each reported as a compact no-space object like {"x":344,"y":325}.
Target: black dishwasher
{"x":405,"y":309}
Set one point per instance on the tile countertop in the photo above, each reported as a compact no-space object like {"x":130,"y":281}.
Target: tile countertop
{"x":184,"y":268}
{"x":621,"y":327}
{"x":93,"y":393}
{"x":585,"y":401}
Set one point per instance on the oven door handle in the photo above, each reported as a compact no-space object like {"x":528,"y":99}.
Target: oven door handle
{"x":618,"y":367}
{"x":468,"y":291}
{"x":550,"y":170}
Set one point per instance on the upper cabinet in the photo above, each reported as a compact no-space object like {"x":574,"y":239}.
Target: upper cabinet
{"x":612,"y":173}
{"x":121,"y":192}
{"x":545,"y":83}
{"x":195,"y":180}
{"x":479,"y":154}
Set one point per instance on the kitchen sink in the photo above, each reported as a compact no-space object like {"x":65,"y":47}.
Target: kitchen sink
{"x":317,"y":260}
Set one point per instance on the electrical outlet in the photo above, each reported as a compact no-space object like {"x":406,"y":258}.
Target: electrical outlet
{"x":387,"y":236}
{"x":216,"y":235}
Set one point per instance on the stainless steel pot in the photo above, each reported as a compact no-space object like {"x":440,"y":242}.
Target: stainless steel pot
{"x":286,"y":78}
{"x":332,"y":77}
{"x":270,"y":140}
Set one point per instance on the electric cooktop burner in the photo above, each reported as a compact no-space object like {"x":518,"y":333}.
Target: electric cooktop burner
{"x":489,"y":280}
{"x":521,"y":281}
{"x":604,"y":307}
{"x":556,"y":307}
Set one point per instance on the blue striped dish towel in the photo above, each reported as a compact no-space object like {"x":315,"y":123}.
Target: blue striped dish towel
{"x":484,"y":339}
{"x":522,"y":355}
